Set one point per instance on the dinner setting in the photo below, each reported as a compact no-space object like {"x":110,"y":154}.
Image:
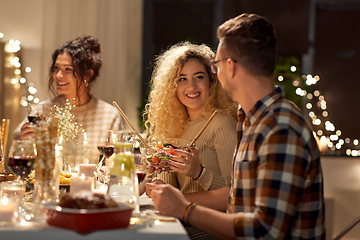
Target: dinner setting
{"x":44,"y":195}
{"x":179,"y":120}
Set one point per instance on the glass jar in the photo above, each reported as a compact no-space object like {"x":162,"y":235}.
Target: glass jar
{"x":123,"y":184}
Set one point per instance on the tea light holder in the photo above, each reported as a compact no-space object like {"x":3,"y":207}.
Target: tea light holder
{"x":87,"y":169}
{"x":7,"y":210}
{"x":81,"y":183}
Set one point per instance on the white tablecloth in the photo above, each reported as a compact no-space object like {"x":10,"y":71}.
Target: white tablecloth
{"x":40,"y":231}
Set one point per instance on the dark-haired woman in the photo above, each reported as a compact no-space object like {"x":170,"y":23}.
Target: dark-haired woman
{"x":74,"y":68}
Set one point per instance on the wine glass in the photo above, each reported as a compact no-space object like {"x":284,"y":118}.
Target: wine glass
{"x":33,"y":114}
{"x":22,"y":158}
{"x":146,"y":153}
{"x":105,"y":145}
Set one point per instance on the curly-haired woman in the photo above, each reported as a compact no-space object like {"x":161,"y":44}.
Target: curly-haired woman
{"x":184,"y":93}
{"x":74,"y":68}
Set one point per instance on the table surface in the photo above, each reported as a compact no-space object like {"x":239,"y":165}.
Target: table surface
{"x":40,"y":230}
{"x":37,"y":230}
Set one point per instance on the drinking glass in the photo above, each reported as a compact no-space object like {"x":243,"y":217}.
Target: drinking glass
{"x":22,"y":158}
{"x":33,"y":114}
{"x":105,"y":145}
{"x":129,"y":136}
{"x":22,"y":155}
{"x":146,"y":152}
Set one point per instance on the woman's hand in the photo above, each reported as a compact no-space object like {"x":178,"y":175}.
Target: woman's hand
{"x":26,"y":131}
{"x":149,"y":188}
{"x":186,"y":163}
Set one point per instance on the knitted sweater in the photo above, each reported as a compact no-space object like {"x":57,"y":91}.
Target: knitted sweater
{"x":216,"y":147}
{"x":94,"y":116}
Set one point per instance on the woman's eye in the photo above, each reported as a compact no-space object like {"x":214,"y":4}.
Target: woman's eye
{"x":182,"y":79}
{"x":69,"y":69}
{"x":199,"y":77}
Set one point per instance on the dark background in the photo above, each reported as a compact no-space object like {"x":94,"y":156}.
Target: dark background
{"x":335,"y":43}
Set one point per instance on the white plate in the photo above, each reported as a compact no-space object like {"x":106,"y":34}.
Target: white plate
{"x":144,"y":200}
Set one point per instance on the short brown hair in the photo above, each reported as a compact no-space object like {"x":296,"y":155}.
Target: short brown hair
{"x":250,"y":39}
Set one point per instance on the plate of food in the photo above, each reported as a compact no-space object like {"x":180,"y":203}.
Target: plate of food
{"x":85,"y":212}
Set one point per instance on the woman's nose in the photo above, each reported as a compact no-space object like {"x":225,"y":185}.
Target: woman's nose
{"x":191,"y":84}
{"x":59,"y":74}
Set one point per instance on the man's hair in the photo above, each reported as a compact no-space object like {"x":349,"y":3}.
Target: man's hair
{"x":250,"y":39}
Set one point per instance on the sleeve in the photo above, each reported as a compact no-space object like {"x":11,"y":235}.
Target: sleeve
{"x":41,"y":108}
{"x":277,"y":182}
{"x":117,"y":121}
{"x":16,"y":134}
{"x":224,"y":143}
{"x":169,"y":178}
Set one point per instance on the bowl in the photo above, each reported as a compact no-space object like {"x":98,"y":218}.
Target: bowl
{"x":85,"y":221}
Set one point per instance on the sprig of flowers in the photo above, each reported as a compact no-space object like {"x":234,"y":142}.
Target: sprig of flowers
{"x":66,"y":127}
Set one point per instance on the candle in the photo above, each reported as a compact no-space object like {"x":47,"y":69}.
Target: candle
{"x":7,"y":209}
{"x":13,"y":192}
{"x":87,"y":169}
{"x":102,"y":189}
{"x":81,"y":183}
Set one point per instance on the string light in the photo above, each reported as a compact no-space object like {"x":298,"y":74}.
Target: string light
{"x":328,"y":136}
{"x":11,"y":48}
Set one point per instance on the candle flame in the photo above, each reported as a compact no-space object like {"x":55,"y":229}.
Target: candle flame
{"x":82,"y":176}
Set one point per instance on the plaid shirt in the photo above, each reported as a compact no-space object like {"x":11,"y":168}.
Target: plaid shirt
{"x":277,"y":185}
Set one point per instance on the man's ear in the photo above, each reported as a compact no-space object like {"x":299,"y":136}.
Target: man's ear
{"x":231,"y":67}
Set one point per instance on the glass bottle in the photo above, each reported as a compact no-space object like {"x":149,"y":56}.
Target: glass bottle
{"x":123,"y":183}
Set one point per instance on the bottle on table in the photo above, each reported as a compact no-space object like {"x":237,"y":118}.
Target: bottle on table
{"x":123,"y":184}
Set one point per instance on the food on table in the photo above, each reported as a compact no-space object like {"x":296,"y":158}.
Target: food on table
{"x":159,"y":161}
{"x":87,"y":200}
{"x":64,"y":178}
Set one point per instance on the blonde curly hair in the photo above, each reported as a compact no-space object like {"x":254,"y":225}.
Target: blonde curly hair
{"x":165,"y":116}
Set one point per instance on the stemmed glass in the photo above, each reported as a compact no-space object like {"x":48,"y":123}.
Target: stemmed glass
{"x":33,"y":114}
{"x":105,"y":145}
{"x":22,"y":158}
{"x":146,"y":152}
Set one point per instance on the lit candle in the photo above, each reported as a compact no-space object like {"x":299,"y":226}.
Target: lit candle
{"x":87,"y":169}
{"x":7,"y":209}
{"x":13,"y":192}
{"x":81,"y":183}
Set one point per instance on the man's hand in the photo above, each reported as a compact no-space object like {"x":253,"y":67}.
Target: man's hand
{"x":169,"y":201}
{"x":149,"y":187}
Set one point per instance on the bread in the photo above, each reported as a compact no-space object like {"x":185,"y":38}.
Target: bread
{"x":87,"y":200}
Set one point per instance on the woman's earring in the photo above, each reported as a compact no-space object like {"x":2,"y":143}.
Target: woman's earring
{"x":86,"y":83}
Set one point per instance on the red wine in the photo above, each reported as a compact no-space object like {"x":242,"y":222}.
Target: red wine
{"x":107,"y":150}
{"x":34,"y":119}
{"x":140,"y":175}
{"x":21,"y":166}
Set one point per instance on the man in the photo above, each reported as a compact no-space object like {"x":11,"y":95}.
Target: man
{"x":277,"y":186}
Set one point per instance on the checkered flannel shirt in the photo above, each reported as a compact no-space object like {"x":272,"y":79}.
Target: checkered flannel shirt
{"x":277,"y":186}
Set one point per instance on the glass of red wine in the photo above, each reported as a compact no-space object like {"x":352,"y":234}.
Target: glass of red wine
{"x":22,"y":158}
{"x":33,"y":115}
{"x":105,"y":145}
